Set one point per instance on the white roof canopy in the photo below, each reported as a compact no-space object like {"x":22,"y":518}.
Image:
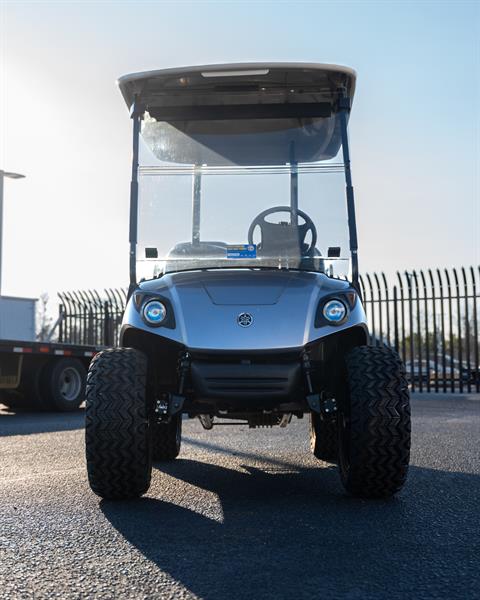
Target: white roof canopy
{"x":241,"y":83}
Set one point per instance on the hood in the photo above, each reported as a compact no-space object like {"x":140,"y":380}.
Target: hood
{"x":245,"y":287}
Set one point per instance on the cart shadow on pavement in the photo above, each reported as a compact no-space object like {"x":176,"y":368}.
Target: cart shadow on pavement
{"x":19,"y":422}
{"x":290,"y":532}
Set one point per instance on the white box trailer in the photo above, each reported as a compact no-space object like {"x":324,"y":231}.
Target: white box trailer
{"x":17,"y":318}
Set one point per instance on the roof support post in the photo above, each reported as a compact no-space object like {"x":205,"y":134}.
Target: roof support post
{"x":293,"y":186}
{"x":344,"y":105}
{"x":136,"y":112}
{"x":196,"y":194}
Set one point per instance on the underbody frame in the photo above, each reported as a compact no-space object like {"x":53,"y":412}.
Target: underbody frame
{"x":257,"y":385}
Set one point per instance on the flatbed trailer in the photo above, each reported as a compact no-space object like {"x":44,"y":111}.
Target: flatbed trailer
{"x":44,"y":376}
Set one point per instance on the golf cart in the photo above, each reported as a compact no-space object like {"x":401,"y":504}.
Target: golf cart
{"x":244,"y":304}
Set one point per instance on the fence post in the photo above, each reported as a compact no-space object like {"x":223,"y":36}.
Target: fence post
{"x":61,"y":327}
{"x":395,"y":319}
{"x":106,"y":325}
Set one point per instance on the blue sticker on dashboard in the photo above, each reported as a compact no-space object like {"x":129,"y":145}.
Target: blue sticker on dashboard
{"x":242,"y":251}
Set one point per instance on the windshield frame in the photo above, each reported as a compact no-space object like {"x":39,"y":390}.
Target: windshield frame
{"x":343,"y":108}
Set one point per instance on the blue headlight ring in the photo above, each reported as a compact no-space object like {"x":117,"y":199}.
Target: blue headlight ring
{"x":340,"y":304}
{"x":154,"y":305}
{"x":142,"y":297}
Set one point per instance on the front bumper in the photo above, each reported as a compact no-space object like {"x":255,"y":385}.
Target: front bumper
{"x":246,"y":382}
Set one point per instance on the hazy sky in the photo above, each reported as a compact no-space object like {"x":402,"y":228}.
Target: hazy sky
{"x":414,"y":126}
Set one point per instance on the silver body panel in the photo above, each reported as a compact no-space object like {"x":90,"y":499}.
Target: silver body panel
{"x":207,"y":304}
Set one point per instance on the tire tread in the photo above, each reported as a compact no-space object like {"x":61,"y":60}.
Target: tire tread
{"x":117,"y":432}
{"x":380,"y":429}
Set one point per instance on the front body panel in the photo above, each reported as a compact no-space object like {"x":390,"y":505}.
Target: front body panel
{"x":280,"y":305}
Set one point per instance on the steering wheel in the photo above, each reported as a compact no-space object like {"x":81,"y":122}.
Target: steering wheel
{"x":260,"y":221}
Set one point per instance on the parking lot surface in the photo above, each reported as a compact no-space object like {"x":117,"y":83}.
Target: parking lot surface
{"x":240,"y":514}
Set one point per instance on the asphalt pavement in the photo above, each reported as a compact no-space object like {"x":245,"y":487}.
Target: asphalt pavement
{"x":240,"y":514}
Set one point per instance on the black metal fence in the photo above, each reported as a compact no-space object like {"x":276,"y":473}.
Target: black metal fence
{"x":86,"y":317}
{"x":429,"y":316}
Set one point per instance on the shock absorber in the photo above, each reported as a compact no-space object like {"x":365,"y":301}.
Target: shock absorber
{"x":320,"y":403}
{"x":183,"y":369}
{"x":307,"y":369}
{"x":170,"y":404}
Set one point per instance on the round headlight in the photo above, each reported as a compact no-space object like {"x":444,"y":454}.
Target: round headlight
{"x":154,"y":312}
{"x":334,"y":311}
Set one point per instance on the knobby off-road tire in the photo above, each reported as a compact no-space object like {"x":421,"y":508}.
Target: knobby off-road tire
{"x":374,"y":423}
{"x":118,"y":436}
{"x":166,"y":439}
{"x":323,"y":438}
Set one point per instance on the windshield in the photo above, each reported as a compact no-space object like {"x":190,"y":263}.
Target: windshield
{"x":221,"y":214}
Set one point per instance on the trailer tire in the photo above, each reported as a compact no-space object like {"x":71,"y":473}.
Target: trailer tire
{"x":374,"y":423}
{"x":167,"y":439}
{"x":29,"y":395}
{"x":11,"y":399}
{"x":63,"y":384}
{"x":323,"y":438}
{"x":118,"y":432}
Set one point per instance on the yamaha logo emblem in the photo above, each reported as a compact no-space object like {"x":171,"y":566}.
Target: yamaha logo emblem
{"x":244,"y":319}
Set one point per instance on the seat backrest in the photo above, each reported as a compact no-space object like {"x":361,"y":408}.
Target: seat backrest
{"x":282,"y":240}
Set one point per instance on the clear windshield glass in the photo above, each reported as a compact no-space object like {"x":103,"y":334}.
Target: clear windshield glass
{"x":210,"y":216}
